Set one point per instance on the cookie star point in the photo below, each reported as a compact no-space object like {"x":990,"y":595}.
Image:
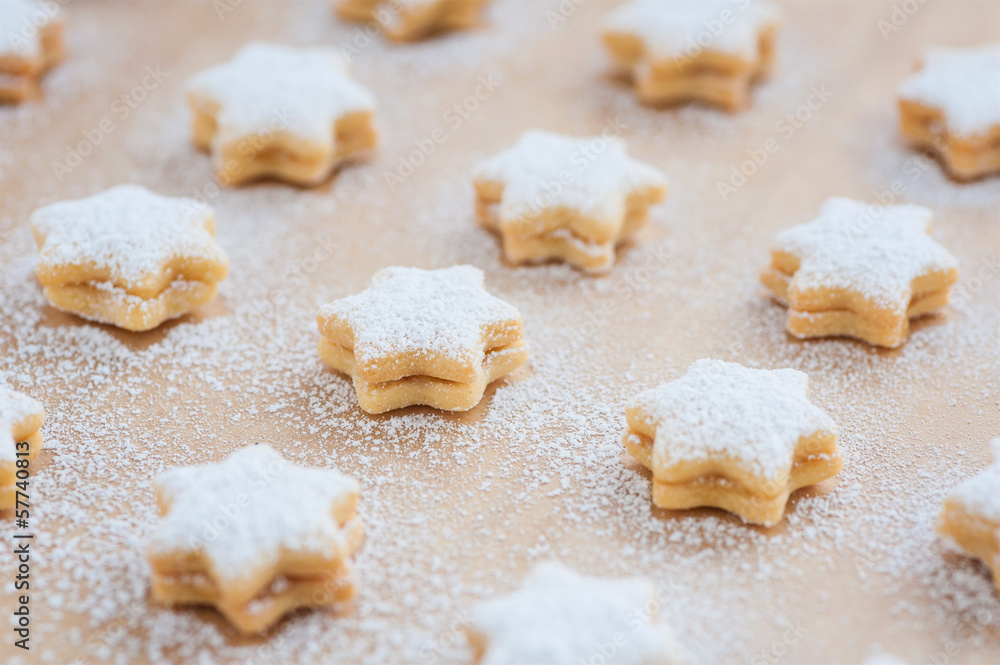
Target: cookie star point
{"x":414,"y":336}
{"x":280,"y":111}
{"x":557,"y":617}
{"x":732,"y":437}
{"x":552,"y":196}
{"x":128,"y":256}
{"x":254,"y":535}
{"x":860,"y":270}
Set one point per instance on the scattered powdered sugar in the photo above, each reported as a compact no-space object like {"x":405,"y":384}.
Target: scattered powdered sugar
{"x":246,"y":513}
{"x":302,"y":91}
{"x":127,"y":233}
{"x":558,"y":615}
{"x":876,"y":251}
{"x":424,"y":312}
{"x":672,"y":29}
{"x":591,"y":175}
{"x":962,"y":83}
{"x":15,"y":408}
{"x":722,"y":409}
{"x":981,"y":494}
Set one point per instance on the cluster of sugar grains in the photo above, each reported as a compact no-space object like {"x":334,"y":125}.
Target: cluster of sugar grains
{"x":556,"y":197}
{"x":411,"y":20}
{"x":860,"y":271}
{"x":951,"y":106}
{"x":733,"y":437}
{"x":288,"y":546}
{"x":283,"y":112}
{"x":128,"y":257}
{"x":433,"y":337}
{"x":21,"y":419}
{"x":31,"y":42}
{"x":680,"y":51}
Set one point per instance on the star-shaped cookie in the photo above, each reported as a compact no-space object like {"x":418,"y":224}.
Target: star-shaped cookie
{"x":951,"y":106}
{"x":255,"y":536}
{"x":559,"y":617}
{"x":21,"y":419}
{"x":411,"y":20}
{"x":971,"y":515}
{"x":30,"y":44}
{"x":860,"y":271}
{"x":128,"y":257}
{"x":732,"y":437}
{"x":433,"y":337}
{"x":710,"y":51}
{"x":560,"y":197}
{"x":283,"y":112}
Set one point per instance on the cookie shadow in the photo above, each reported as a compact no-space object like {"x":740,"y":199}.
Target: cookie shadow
{"x":135,"y":341}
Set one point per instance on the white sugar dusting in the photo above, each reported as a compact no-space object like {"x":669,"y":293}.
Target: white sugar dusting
{"x":437,"y":313}
{"x":126,"y":235}
{"x":672,"y":29}
{"x":299,"y":91}
{"x":722,"y":409}
{"x":15,"y":409}
{"x":590,"y":175}
{"x":283,"y":509}
{"x":875,"y":251}
{"x":962,"y":83}
{"x":558,"y":615}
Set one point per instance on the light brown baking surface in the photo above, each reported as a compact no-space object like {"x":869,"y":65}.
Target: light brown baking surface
{"x":458,"y":506}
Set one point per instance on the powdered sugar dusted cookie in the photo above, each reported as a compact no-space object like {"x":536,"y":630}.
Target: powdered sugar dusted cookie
{"x":710,"y":50}
{"x":732,"y":437}
{"x":287,"y":545}
{"x":30,"y":44}
{"x":433,"y":337}
{"x":860,"y":271}
{"x":288,"y":113}
{"x":559,"y":617}
{"x":128,"y":257}
{"x":410,"y":20}
{"x":951,"y":106}
{"x":971,"y":515}
{"x":560,"y":197}
{"x":21,"y":419}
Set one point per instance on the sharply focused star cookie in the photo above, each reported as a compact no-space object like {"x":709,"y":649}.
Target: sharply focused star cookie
{"x":710,"y":51}
{"x":128,"y":257}
{"x":411,"y":20}
{"x":732,"y":437}
{"x":860,"y":271}
{"x":30,"y":44}
{"x":971,"y":515}
{"x":558,"y":616}
{"x":255,"y":536}
{"x":559,"y":197}
{"x":21,"y":420}
{"x":433,"y":337}
{"x":276,"y":111}
{"x":951,"y":106}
